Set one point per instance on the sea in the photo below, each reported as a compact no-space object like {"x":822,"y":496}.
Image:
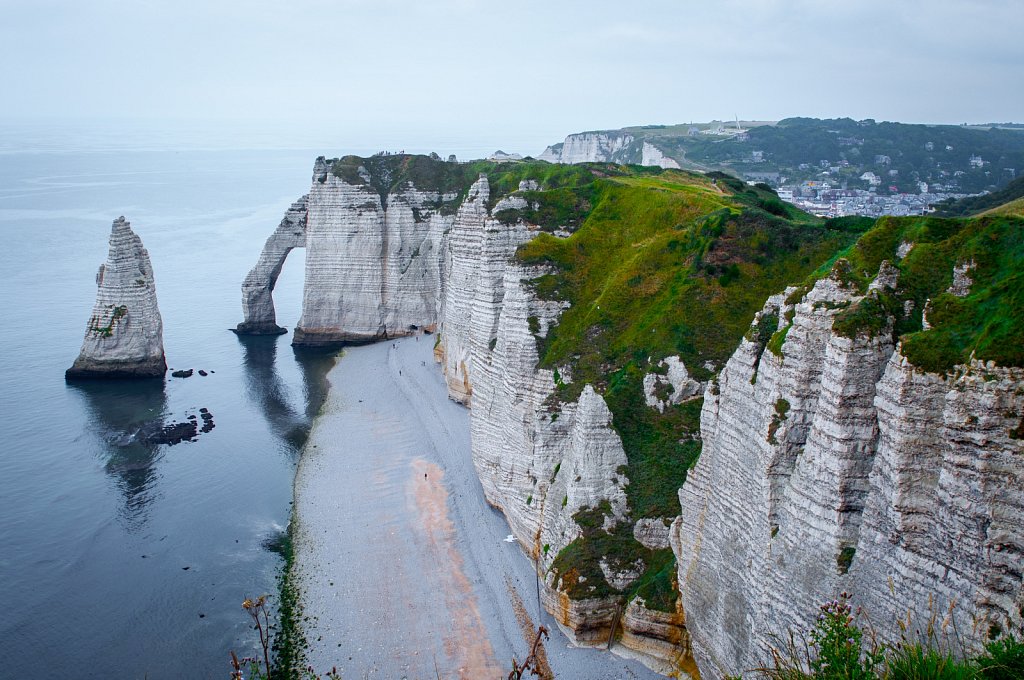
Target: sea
{"x":121,"y":559}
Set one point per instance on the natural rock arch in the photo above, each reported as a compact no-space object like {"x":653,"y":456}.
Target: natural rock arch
{"x":258,"y":287}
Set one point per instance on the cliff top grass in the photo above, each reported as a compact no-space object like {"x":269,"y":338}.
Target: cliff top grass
{"x":667,"y":263}
{"x":987,"y":323}
{"x":389,"y":172}
{"x":664,"y":263}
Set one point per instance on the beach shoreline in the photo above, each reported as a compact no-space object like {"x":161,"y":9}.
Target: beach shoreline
{"x":401,"y":567}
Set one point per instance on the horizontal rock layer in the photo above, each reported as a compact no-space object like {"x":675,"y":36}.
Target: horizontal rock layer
{"x":840,"y":466}
{"x":124,"y":335}
{"x":258,"y":287}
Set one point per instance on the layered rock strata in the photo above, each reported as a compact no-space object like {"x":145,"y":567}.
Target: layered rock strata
{"x":834,"y":464}
{"x":372,"y":260}
{"x":258,"y":287}
{"x":381,"y":263}
{"x":541,"y":461}
{"x":124,"y":335}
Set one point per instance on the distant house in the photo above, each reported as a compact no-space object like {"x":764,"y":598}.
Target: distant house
{"x":757,"y":156}
{"x":882,"y":159}
{"x":929,"y":146}
{"x":871,"y":178}
{"x":769,"y":177}
{"x":500,"y":155}
{"x":693,"y":131}
{"x":976,"y":161}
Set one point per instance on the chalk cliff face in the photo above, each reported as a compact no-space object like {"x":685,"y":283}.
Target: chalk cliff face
{"x":588,"y":147}
{"x":258,"y":287}
{"x":372,"y":260}
{"x":124,"y":336}
{"x":834,"y":464}
{"x":607,"y":147}
{"x":653,"y":156}
{"x":830,"y":462}
{"x":381,"y":262}
{"x":539,"y":460}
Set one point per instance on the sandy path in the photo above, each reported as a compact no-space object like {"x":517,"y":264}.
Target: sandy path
{"x":403,"y":568}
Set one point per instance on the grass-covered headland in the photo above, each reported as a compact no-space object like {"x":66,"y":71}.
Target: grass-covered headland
{"x":659,"y":263}
{"x":662,"y":263}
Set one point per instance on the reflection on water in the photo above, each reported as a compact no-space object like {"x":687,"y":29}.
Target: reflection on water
{"x":268,"y":391}
{"x":120,"y":411}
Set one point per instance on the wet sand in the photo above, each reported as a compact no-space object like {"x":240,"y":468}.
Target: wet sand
{"x":403,"y":569}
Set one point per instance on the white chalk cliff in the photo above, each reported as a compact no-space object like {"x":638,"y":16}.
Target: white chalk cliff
{"x":829,"y":463}
{"x":607,"y":147}
{"x":837,"y":465}
{"x":385,"y":264}
{"x":124,"y":335}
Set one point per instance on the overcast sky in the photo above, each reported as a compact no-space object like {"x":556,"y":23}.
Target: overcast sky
{"x":517,"y":70}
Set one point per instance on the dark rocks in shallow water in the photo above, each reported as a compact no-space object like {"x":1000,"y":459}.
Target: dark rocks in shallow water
{"x":202,"y":372}
{"x":158,"y":432}
{"x":207,"y":420}
{"x":182,"y":374}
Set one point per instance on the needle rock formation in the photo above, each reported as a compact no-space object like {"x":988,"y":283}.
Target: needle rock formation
{"x":124,"y":336}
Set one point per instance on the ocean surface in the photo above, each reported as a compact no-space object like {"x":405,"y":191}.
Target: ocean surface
{"x":118,"y":559}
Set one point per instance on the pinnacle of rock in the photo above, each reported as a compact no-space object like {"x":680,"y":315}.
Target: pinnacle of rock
{"x":124,"y":335}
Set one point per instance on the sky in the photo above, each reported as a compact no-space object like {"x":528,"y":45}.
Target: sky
{"x":515,"y":75}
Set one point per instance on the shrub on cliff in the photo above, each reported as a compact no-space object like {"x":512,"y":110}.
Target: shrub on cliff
{"x":836,"y":649}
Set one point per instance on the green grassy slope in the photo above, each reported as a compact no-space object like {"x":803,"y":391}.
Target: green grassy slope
{"x":664,"y":263}
{"x":973,"y":205}
{"x":988,"y":323}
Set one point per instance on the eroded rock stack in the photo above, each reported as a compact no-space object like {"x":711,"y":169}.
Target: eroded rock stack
{"x":124,"y":336}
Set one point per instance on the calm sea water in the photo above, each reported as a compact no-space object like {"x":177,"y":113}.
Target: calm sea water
{"x":121,"y":560}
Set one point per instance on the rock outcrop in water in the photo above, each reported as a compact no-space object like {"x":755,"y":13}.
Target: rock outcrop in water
{"x":832,"y":463}
{"x":124,"y":336}
{"x":258,"y":287}
{"x":373,"y":258}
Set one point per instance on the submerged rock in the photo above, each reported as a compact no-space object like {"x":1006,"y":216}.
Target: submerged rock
{"x":124,"y":336}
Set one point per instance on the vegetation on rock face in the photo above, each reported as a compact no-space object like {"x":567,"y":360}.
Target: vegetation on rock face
{"x":390,"y":172}
{"x":985,"y":323}
{"x":837,"y":648}
{"x":664,"y":263}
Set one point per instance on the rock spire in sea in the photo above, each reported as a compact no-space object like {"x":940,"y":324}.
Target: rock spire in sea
{"x":124,"y":336}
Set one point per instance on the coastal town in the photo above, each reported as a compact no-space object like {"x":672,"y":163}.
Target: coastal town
{"x":824,"y":200}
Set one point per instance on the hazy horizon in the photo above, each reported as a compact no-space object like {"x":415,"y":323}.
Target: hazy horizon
{"x":477,"y":75}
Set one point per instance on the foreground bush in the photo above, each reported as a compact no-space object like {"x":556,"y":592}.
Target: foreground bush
{"x":836,"y":649}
